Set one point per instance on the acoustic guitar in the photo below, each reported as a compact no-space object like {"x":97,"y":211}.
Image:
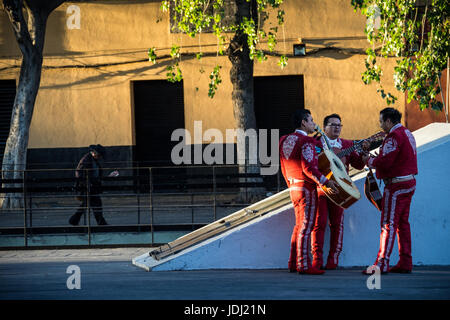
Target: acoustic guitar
{"x":343,"y":153}
{"x":372,"y":190}
{"x":357,"y":146}
{"x":334,"y":169}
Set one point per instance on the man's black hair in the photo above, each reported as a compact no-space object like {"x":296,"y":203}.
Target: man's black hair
{"x":391,"y":113}
{"x":299,"y":116}
{"x":334,"y":115}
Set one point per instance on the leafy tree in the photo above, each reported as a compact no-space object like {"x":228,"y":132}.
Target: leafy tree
{"x":238,"y":26}
{"x":28,"y":19}
{"x":417,"y":33}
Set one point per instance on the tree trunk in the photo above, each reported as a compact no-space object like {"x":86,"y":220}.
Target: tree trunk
{"x":15,"y":156}
{"x":241,"y":75}
{"x":30,"y":36}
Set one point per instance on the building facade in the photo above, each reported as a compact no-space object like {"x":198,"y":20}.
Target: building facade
{"x":97,"y":85}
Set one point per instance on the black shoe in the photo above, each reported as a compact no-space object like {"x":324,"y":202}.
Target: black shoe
{"x":312,"y":271}
{"x":397,"y":269}
{"x":369,"y":273}
{"x":74,"y":220}
{"x":100,"y":219}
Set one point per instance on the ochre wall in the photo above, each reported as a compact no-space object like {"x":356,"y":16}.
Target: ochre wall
{"x":83,"y":100}
{"x":416,"y":118}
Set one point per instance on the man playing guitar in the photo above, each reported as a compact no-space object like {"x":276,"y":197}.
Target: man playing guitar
{"x":325,"y":207}
{"x":298,"y":162}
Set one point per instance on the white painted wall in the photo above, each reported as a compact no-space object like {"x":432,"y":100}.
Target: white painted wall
{"x":264,"y":243}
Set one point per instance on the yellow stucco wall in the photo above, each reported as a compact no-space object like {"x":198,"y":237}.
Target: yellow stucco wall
{"x":77,"y":106}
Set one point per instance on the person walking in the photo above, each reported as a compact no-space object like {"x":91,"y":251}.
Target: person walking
{"x":88,"y":184}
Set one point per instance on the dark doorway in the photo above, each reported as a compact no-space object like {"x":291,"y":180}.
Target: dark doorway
{"x":276,"y":99}
{"x":7,"y":95}
{"x":159,"y":110}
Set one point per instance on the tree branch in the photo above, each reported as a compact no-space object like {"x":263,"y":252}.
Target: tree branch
{"x":14,"y":10}
{"x":30,"y":35}
{"x":44,"y":7}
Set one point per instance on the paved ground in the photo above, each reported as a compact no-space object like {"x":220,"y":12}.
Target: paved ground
{"x":109,"y":274}
{"x":37,"y":282}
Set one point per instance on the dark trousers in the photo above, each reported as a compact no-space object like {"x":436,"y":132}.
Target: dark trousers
{"x":95,"y":203}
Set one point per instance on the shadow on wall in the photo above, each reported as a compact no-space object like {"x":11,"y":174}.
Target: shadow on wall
{"x":57,"y":23}
{"x":101,"y":79}
{"x":8,"y":43}
{"x":54,"y":44}
{"x":337,"y":48}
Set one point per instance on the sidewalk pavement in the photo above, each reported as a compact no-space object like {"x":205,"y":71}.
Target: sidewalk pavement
{"x":108,"y":274}
{"x":71,"y":255}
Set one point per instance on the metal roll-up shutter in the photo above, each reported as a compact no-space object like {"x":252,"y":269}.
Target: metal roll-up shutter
{"x":7,"y":95}
{"x":276,"y":99}
{"x":159,"y":110}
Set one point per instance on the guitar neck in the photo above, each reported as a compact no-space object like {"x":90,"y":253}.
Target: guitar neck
{"x":347,"y":151}
{"x":357,"y":144}
{"x":324,"y":136}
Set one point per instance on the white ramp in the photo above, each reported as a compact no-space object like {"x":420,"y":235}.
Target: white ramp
{"x":244,"y":232}
{"x":262,"y":241}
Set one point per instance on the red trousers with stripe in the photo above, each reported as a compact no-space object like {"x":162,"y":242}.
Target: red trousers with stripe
{"x":304,"y":199}
{"x":394,"y":220}
{"x":327,"y":210}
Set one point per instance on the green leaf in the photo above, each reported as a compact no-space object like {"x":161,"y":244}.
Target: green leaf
{"x":283,"y":61}
{"x":152,"y":55}
{"x":193,"y":17}
{"x":400,"y":35}
{"x":175,"y":51}
{"x":164,"y":6}
{"x":215,"y":81}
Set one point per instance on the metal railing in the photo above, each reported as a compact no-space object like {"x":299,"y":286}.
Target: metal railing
{"x":151,"y":204}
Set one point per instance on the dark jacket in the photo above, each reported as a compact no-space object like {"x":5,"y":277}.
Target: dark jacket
{"x":92,"y":168}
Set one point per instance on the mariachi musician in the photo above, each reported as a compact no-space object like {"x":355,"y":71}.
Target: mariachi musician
{"x":298,"y":163}
{"x":396,"y":164}
{"x":327,"y":208}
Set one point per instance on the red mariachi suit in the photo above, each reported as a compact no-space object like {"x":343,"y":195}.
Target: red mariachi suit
{"x":327,"y":208}
{"x":397,"y":159}
{"x":298,"y":163}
